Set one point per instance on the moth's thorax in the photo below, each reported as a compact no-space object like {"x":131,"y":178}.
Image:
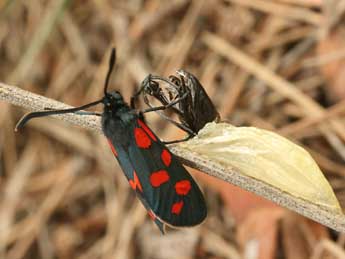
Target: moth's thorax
{"x":117,"y":116}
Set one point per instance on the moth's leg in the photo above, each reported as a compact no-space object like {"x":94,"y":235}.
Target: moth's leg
{"x":179,"y":140}
{"x":164,"y":107}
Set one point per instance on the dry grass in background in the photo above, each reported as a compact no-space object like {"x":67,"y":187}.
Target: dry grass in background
{"x":63,"y":194}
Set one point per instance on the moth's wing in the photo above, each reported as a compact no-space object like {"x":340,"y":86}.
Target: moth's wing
{"x":127,"y":167}
{"x":169,"y":190}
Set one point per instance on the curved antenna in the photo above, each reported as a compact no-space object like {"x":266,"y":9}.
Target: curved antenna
{"x":32,"y":115}
{"x":110,"y":69}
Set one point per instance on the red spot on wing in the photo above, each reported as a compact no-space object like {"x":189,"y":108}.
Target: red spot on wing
{"x":135,"y":183}
{"x":147,"y":130}
{"x":151,"y":214}
{"x":183,"y":187}
{"x":166,"y":157}
{"x":159,"y":177}
{"x":177,"y":207}
{"x":112,"y":147}
{"x":141,"y":138}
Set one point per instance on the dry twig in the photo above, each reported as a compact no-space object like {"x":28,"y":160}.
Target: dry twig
{"x":32,"y":101}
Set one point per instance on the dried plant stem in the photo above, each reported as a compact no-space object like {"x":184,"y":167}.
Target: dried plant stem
{"x":39,"y":38}
{"x":282,"y":10}
{"x":280,"y":85}
{"x":34,"y":102}
{"x":320,"y":214}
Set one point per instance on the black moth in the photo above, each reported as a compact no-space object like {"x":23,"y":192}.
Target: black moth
{"x":185,"y":96}
{"x":163,"y":185}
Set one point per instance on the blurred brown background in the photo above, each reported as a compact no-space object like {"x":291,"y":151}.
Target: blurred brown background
{"x":62,"y":192}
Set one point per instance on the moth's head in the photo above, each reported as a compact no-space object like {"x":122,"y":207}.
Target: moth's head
{"x":113,"y":100}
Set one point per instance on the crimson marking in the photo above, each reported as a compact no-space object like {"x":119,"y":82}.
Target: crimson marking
{"x":147,"y":130}
{"x":112,"y":147}
{"x":183,"y":187}
{"x":159,"y":177}
{"x":141,"y":138}
{"x":135,"y":183}
{"x":177,"y":207}
{"x":166,"y":157}
{"x":152,"y":215}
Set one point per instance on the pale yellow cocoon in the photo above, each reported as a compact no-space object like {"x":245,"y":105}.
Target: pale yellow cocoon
{"x":268,"y":157}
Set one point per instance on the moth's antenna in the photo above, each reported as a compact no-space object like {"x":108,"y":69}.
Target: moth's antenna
{"x":32,"y":115}
{"x":110,"y":69}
